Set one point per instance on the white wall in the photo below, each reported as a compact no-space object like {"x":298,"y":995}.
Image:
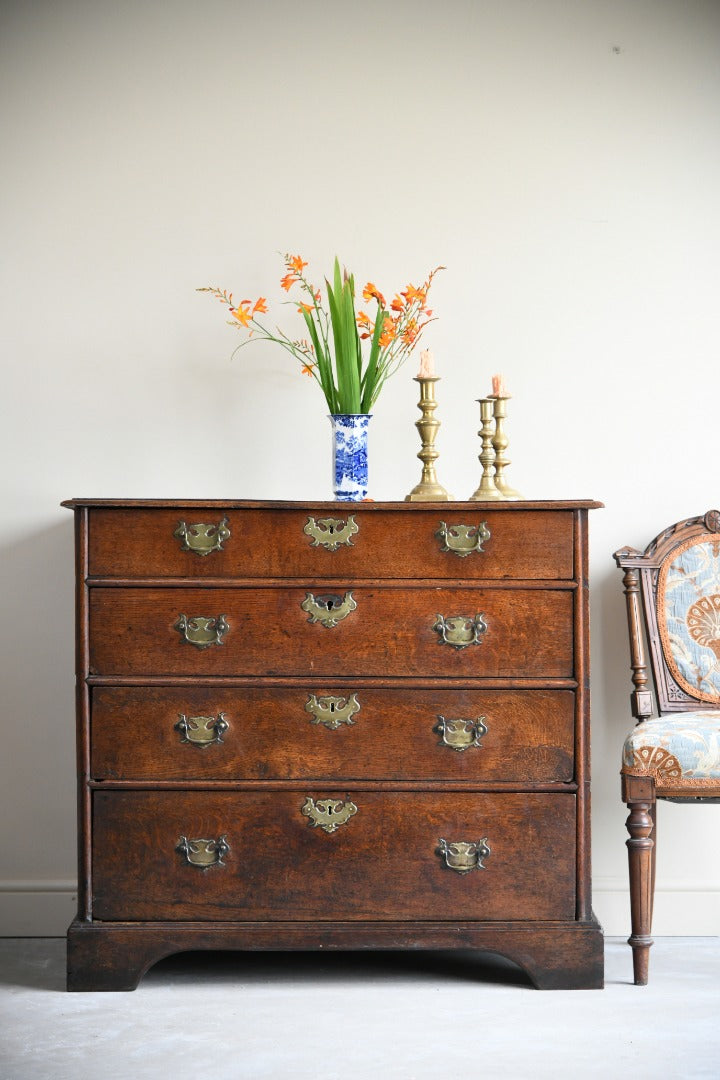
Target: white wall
{"x":561,"y":159}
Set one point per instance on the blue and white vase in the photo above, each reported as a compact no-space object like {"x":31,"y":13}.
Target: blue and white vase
{"x":350,"y":462}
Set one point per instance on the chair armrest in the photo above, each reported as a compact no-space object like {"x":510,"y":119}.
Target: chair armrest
{"x":641,"y":698}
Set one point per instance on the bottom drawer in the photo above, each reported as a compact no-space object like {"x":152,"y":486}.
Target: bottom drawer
{"x":292,"y":855}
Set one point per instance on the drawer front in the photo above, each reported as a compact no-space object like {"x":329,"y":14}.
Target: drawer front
{"x":318,"y":731}
{"x":384,"y":861}
{"x":251,"y":543}
{"x":389,"y":632}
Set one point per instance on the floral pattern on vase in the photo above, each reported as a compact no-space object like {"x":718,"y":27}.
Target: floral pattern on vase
{"x":350,"y":461}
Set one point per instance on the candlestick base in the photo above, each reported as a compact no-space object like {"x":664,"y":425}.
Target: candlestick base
{"x":428,"y":492}
{"x":487,"y":493}
{"x":508,"y":493}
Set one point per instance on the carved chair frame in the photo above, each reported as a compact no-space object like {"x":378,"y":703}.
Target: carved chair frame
{"x":640,"y":580}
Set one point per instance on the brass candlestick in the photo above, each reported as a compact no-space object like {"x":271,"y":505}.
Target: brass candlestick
{"x":500,"y":443}
{"x":487,"y":488}
{"x":428,"y":490}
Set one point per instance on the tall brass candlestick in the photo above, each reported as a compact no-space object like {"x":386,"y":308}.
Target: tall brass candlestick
{"x":428,"y":490}
{"x":487,"y":488}
{"x":500,"y":443}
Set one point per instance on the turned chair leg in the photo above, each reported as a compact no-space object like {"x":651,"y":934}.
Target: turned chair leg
{"x":639,"y":795}
{"x":653,"y":857}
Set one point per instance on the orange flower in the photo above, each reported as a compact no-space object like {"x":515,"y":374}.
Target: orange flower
{"x":242,"y":313}
{"x":398,"y":303}
{"x":288,"y":281}
{"x":388,"y":332}
{"x":410,"y":332}
{"x":260,"y":306}
{"x":413,"y":295}
{"x":364,"y":325}
{"x":307,"y":369}
{"x":371,"y":292}
{"x":305,"y":307}
{"x":295,"y":263}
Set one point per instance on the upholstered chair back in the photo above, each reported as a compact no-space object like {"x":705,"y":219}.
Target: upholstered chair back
{"x":675,"y":584}
{"x":688,"y":615}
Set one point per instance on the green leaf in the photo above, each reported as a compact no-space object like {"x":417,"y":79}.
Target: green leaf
{"x":323,"y":362}
{"x":353,"y":350}
{"x":337,"y":343}
{"x":370,"y":382}
{"x":342,"y":319}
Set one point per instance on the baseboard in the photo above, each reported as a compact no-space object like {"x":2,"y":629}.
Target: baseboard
{"x":682,"y":909}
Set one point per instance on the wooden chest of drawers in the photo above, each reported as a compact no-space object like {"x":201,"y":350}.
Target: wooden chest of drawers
{"x":333,"y":726}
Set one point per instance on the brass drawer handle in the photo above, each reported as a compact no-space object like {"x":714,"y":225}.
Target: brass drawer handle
{"x":462,"y":856}
{"x":202,"y":539}
{"x":463,"y":540}
{"x":330,"y":609}
{"x":330,"y":533}
{"x":332,"y":711}
{"x":202,"y":731}
{"x":203,"y":853}
{"x":328,"y":814}
{"x":460,"y":630}
{"x":461,"y":734}
{"x":202,"y":631}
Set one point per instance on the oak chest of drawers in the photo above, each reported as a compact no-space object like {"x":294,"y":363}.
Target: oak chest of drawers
{"x":333,"y":726}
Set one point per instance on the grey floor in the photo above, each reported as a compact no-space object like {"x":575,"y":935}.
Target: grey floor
{"x":368,"y":1016}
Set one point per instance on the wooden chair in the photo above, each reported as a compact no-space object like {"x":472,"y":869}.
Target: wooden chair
{"x":674,"y":588}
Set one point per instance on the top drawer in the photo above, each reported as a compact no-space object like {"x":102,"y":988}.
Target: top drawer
{"x":462,"y":542}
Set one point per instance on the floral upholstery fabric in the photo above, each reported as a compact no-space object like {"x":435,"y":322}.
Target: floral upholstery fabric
{"x":689,"y":617}
{"x":681,"y":751}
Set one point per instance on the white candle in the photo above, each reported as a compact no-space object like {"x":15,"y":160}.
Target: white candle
{"x":427,"y":365}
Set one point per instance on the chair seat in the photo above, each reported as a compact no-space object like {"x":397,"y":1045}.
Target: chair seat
{"x":681,"y":751}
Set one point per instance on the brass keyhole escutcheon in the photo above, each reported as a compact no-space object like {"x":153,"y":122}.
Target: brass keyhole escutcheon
{"x":332,"y":711}
{"x":331,"y":533}
{"x":330,"y":609}
{"x":328,"y":814}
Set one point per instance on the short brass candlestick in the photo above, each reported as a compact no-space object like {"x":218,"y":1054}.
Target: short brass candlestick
{"x":500,"y":443}
{"x":428,"y":490}
{"x":487,"y":488}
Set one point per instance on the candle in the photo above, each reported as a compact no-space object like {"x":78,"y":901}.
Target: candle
{"x":427,"y":365}
{"x":498,"y":386}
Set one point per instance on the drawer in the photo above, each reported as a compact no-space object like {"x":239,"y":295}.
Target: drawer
{"x":321,"y":732}
{"x":390,"y":632}
{"x":384,"y":862}
{"x":384,"y":543}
